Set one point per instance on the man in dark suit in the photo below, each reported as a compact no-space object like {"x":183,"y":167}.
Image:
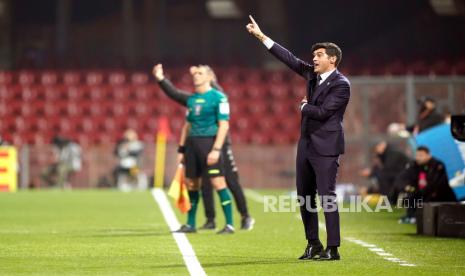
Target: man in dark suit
{"x":321,"y":139}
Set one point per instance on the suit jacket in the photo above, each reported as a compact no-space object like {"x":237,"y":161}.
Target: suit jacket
{"x":322,"y":117}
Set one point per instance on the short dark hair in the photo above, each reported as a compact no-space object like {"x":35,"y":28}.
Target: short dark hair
{"x":423,"y":148}
{"x":332,"y":50}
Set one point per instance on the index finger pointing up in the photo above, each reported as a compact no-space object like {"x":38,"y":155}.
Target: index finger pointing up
{"x":253,"y":21}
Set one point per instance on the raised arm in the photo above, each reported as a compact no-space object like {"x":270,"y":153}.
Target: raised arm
{"x":297,"y":65}
{"x":168,"y":88}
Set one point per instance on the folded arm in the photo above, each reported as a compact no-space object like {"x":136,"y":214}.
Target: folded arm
{"x":338,"y":98}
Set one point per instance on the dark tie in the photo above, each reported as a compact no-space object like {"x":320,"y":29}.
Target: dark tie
{"x":318,"y":80}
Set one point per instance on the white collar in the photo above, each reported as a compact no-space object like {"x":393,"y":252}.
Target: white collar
{"x":324,"y":76}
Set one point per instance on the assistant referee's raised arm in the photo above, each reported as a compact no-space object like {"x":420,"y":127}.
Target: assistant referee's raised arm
{"x":168,"y":87}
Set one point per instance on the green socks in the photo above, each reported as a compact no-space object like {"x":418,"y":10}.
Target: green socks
{"x":226,"y":203}
{"x":194,"y":198}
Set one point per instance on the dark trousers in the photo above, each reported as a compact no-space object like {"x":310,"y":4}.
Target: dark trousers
{"x":232,"y":181}
{"x":316,"y":173}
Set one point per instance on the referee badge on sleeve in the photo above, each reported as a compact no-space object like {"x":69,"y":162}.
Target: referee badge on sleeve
{"x":224,"y":108}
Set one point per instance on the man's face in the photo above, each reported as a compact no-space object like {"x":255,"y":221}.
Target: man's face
{"x":380,"y":148}
{"x":322,"y":62}
{"x":421,"y":157}
{"x":200,"y":75}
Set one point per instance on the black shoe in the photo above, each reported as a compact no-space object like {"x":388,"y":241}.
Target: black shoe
{"x":186,"y":229}
{"x":330,"y":254}
{"x":313,"y":251}
{"x":209,"y":225}
{"x":247,"y":223}
{"x":228,"y":229}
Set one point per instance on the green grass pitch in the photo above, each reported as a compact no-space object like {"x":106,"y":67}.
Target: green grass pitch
{"x":109,"y":232}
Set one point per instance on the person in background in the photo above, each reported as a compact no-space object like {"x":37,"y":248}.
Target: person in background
{"x":67,"y":161}
{"x":428,"y":116}
{"x":129,"y":152}
{"x":425,"y":180}
{"x":390,"y":162}
{"x":231,"y":170}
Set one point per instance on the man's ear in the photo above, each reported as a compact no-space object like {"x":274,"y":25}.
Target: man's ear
{"x":332,"y":60}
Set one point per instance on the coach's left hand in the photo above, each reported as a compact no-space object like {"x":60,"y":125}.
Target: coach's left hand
{"x":213,"y":157}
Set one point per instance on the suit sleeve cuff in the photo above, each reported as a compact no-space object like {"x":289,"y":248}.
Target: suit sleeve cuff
{"x":268,"y":43}
{"x":302,"y":106}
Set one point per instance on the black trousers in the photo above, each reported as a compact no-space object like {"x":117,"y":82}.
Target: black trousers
{"x":316,"y":173}
{"x":232,"y":181}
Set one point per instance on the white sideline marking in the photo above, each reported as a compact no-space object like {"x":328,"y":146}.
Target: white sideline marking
{"x":188,"y":254}
{"x":257,"y":197}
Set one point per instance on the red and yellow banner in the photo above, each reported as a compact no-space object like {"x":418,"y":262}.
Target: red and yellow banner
{"x":8,"y":169}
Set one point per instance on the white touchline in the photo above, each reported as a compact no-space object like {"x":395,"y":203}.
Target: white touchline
{"x":257,"y":197}
{"x":188,"y":254}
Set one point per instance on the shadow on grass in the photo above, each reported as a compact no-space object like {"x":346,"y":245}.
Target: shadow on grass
{"x":124,"y":232}
{"x":239,"y":261}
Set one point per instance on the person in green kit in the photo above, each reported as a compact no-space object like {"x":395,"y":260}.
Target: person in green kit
{"x":202,"y":138}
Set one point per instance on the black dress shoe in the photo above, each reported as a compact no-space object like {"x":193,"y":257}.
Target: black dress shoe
{"x":313,"y":251}
{"x":330,"y":254}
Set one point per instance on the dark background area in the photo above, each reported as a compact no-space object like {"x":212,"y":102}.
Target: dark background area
{"x":133,"y":34}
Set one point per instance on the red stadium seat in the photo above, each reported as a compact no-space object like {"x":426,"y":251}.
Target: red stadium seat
{"x":280,"y":108}
{"x":146,"y":92}
{"x":150,"y":124}
{"x":54,"y":92}
{"x":26,"y":78}
{"x":29,"y":93}
{"x":279,"y":91}
{"x":140,"y":109}
{"x":71,"y":78}
{"x":27,"y":109}
{"x":176,"y":124}
{"x":257,"y":109}
{"x":73,"y":109}
{"x":275,"y":77}
{"x":77,"y":93}
{"x":99,"y":93}
{"x":49,"y":78}
{"x":260,"y":138}
{"x":116,"y":78}
{"x":139,"y":78}
{"x":94,"y":78}
{"x":6,"y":78}
{"x":120,"y":93}
{"x":252,"y":77}
{"x":235,"y":91}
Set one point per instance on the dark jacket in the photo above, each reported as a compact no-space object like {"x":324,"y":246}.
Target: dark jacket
{"x":433,"y":119}
{"x":392,"y":163}
{"x":322,"y":117}
{"x":437,"y":187}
